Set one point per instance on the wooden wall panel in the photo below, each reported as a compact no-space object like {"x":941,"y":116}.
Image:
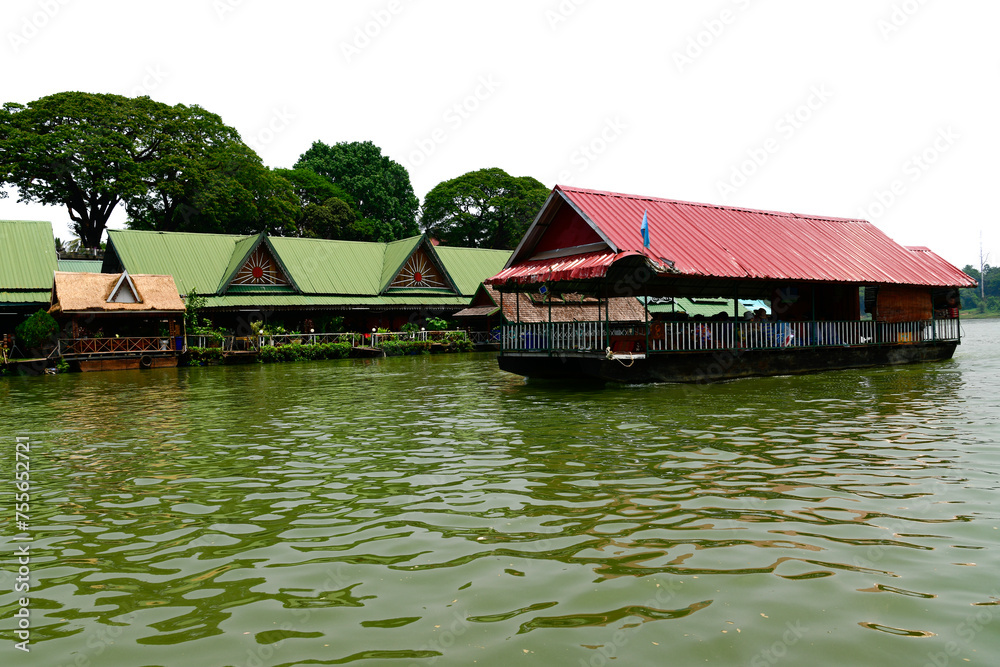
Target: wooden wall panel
{"x":901,"y":303}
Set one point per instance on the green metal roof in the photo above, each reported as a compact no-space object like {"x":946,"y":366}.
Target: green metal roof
{"x":396,"y":254}
{"x":341,"y":272}
{"x":311,"y":300}
{"x":706,"y":307}
{"x":321,"y":266}
{"x":469,"y":267}
{"x":241,"y":251}
{"x":79,"y":265}
{"x":27,"y":255}
{"x":196,"y":261}
{"x":41,"y":297}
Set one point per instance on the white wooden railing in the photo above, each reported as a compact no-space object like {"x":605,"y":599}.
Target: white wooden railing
{"x":712,"y":335}
{"x":255,"y":342}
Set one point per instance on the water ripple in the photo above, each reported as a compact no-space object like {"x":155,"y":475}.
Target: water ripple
{"x":432,"y":510}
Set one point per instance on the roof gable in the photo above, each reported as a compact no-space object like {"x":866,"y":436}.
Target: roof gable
{"x":255,"y":264}
{"x":560,"y":229}
{"x":395,"y":257}
{"x":422,"y":269}
{"x":124,"y":291}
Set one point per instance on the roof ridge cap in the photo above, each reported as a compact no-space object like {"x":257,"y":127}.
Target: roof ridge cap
{"x":725,"y":207}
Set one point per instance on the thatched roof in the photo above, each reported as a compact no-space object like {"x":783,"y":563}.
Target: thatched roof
{"x":90,"y":292}
{"x":534,"y":307}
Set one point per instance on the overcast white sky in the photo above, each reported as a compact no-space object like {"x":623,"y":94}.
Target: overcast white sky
{"x":882,"y":109}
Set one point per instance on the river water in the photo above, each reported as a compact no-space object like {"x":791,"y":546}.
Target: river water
{"x":437,"y":511}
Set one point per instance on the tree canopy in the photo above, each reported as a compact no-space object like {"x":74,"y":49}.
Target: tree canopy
{"x":224,"y":191}
{"x":312,"y":188}
{"x":174,"y":167}
{"x":488,"y":208}
{"x":379,"y":187}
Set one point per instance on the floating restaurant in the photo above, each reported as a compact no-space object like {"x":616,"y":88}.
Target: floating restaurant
{"x":127,"y":310}
{"x":842,"y":294}
{"x":304,"y":282}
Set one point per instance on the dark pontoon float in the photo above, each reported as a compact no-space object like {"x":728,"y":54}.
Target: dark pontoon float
{"x":841,"y":293}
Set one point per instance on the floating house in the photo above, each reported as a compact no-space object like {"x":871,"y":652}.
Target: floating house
{"x":305,"y":283}
{"x":118,"y":321}
{"x":812,"y":270}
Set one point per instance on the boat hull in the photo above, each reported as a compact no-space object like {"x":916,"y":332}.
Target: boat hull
{"x":715,"y":365}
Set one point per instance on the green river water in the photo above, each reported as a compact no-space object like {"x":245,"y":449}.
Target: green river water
{"x":437,"y":511}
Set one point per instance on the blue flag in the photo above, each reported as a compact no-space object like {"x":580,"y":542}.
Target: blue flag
{"x":645,"y":229}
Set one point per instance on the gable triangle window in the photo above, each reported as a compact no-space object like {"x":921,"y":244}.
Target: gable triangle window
{"x":419,"y":271}
{"x":260,"y":269}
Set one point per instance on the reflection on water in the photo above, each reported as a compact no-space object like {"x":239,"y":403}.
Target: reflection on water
{"x":433,"y":510}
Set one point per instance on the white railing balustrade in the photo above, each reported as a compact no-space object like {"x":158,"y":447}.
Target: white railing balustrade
{"x":693,"y":336}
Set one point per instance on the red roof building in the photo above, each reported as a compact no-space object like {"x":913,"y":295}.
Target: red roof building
{"x":842,"y":293}
{"x":581,"y":234}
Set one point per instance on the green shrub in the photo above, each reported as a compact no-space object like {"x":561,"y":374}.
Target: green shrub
{"x":396,"y":348}
{"x":200,"y":356}
{"x":36,"y":330}
{"x":437,"y":324}
{"x":298,"y":352}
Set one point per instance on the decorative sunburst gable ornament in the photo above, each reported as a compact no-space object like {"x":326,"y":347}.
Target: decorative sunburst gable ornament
{"x":419,"y":271}
{"x":260,"y":269}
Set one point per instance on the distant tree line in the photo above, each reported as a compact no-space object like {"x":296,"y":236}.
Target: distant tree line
{"x":181,"y":168}
{"x":985,"y":298}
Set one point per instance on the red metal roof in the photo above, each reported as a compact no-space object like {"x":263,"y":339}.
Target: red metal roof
{"x":726,"y":242}
{"x":576,"y":267}
{"x":935,"y":265}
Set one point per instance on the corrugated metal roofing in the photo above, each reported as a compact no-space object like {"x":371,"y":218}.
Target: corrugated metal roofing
{"x":468,"y":267}
{"x":576,"y":267}
{"x":348,"y":269}
{"x":313,"y":300}
{"x":241,"y":250}
{"x":709,"y":241}
{"x":396,"y":254}
{"x":27,"y":255}
{"x":478,"y":311}
{"x":41,"y":297}
{"x":79,"y":265}
{"x":706,"y":307}
{"x":935,"y":265}
{"x":319,"y":266}
{"x":196,"y":261}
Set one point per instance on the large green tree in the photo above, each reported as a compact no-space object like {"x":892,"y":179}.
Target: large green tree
{"x":327,"y":211}
{"x":379,"y":186}
{"x":90,"y":152}
{"x":312,"y":188}
{"x":488,"y":208}
{"x":226,"y":190}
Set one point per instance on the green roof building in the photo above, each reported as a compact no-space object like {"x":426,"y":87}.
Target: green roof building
{"x":27,"y":267}
{"x":303,"y":282}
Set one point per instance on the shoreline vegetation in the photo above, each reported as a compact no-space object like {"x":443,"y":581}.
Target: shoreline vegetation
{"x":977,"y":315}
{"x":216,"y":355}
{"x":211,"y":356}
